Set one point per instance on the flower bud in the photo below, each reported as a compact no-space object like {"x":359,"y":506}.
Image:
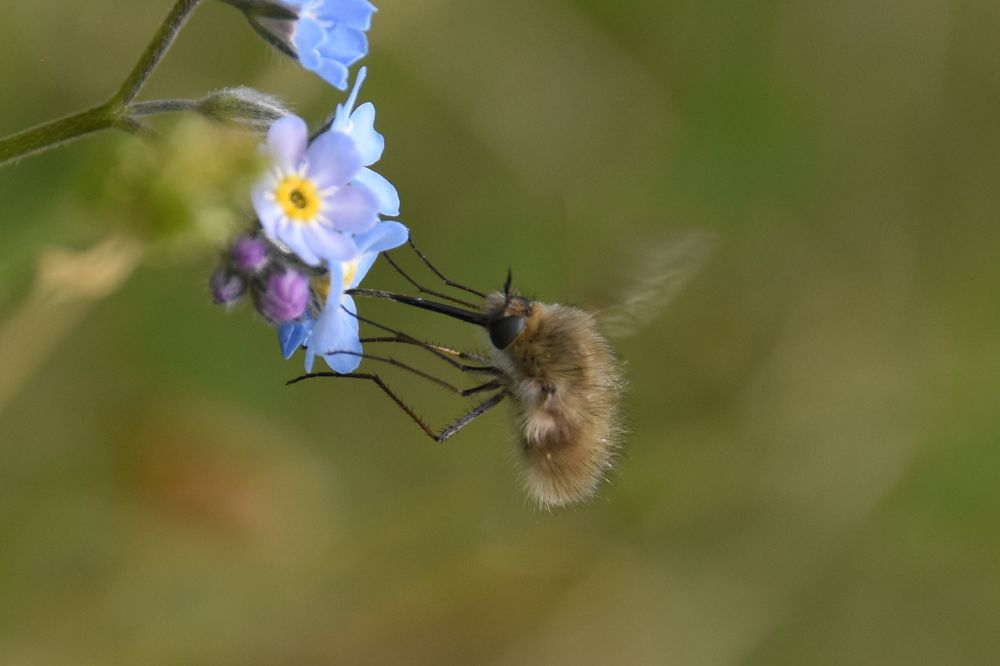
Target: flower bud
{"x":243,"y":106}
{"x":249,"y":254}
{"x":227,"y":287}
{"x":285,"y":296}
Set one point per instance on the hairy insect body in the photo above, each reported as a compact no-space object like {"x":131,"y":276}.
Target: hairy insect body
{"x":565,"y":383}
{"x":551,"y":361}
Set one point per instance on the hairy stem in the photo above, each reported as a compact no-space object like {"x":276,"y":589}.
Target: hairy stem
{"x":113,"y":114}
{"x":162,"y":106}
{"x":54,"y":133}
{"x":154,"y":53}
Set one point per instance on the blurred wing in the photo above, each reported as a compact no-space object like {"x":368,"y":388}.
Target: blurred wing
{"x":659,"y":270}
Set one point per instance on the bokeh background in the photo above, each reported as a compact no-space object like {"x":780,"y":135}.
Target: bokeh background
{"x":813,"y":466}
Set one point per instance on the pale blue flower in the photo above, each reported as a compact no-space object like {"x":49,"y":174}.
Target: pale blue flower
{"x":329,"y":36}
{"x":308,"y":202}
{"x":336,"y":328}
{"x":325,"y":36}
{"x":359,"y":124}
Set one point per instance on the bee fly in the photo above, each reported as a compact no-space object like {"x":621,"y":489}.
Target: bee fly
{"x":550,"y":360}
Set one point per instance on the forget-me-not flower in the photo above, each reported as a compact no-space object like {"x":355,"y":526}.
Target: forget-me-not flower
{"x":335,"y":330}
{"x":309,"y":201}
{"x":325,"y":36}
{"x":330,"y":36}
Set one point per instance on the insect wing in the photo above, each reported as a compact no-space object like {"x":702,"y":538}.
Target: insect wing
{"x":659,"y":272}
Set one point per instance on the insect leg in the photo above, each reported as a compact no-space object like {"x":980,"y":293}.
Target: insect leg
{"x":441,"y":349}
{"x":471,"y":416}
{"x":437,"y":437}
{"x":488,"y":386}
{"x":493,"y":383}
{"x":423,"y":289}
{"x":448,"y":282}
{"x":438,"y":350}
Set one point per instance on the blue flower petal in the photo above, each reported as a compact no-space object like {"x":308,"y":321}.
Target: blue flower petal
{"x":385,"y":236}
{"x":307,"y":38}
{"x":293,"y":335}
{"x":290,"y":236}
{"x":385,"y":192}
{"x":268,"y":210}
{"x":342,"y":117}
{"x":286,"y":141}
{"x":333,"y":159}
{"x":331,"y":71}
{"x":353,"y":13}
{"x":353,"y":209}
{"x":335,"y":330}
{"x":336,"y":276}
{"x":327,"y":244}
{"x":343,"y":44}
{"x":362,"y":129}
{"x":365,"y":264}
{"x":326,"y":36}
{"x":328,"y":50}
{"x":327,"y":325}
{"x":348,"y":340}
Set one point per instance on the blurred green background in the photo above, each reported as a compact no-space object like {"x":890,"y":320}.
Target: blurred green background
{"x":812,"y":472}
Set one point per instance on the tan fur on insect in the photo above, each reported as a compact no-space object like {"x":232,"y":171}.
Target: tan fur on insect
{"x":565,"y":383}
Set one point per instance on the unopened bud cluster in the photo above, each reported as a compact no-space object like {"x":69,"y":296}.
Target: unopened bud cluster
{"x":278,"y":284}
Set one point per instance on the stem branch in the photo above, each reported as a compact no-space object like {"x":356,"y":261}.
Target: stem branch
{"x":115,"y":112}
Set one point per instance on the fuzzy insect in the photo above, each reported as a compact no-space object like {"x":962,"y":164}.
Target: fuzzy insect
{"x":550,"y":360}
{"x":566,"y":384}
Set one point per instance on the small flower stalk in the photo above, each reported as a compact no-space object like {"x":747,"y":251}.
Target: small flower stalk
{"x":244,"y":107}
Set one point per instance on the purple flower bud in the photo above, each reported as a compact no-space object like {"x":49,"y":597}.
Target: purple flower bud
{"x":227,"y":287}
{"x":249,"y":254}
{"x":285,"y":296}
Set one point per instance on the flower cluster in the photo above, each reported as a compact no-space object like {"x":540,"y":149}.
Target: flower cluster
{"x":320,"y":206}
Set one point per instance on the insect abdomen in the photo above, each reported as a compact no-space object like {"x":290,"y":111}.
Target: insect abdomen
{"x":566,"y":384}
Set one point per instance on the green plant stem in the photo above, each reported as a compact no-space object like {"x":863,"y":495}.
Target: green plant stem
{"x":162,"y":106}
{"x":112,"y":114}
{"x":55,"y":132}
{"x":154,"y":53}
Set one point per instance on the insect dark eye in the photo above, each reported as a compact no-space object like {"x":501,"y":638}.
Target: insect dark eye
{"x":504,"y":331}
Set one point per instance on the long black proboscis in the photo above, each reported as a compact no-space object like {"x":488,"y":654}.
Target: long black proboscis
{"x":441,"y":308}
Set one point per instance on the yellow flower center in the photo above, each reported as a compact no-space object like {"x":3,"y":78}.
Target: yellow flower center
{"x":298,"y":198}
